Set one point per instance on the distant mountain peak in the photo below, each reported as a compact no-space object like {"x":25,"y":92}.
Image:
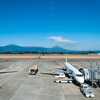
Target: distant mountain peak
{"x":16,"y":49}
{"x":56,"y":46}
{"x":12,"y":45}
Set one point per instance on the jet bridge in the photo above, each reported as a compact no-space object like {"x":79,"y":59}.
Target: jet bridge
{"x":88,"y":74}
{"x":96,"y":74}
{"x":92,"y":74}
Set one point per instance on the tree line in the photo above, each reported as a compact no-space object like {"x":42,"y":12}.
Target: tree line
{"x":35,"y":52}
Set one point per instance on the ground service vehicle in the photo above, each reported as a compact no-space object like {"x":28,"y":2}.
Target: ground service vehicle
{"x":33,"y":70}
{"x":60,"y":75}
{"x":63,"y":81}
{"x":86,"y":91}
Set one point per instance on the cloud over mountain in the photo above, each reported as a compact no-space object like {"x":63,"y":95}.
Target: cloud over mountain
{"x":59,"y":39}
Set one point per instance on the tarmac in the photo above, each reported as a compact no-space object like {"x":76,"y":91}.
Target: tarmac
{"x":17,"y":84}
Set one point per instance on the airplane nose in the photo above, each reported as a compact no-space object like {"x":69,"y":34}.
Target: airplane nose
{"x":82,"y":81}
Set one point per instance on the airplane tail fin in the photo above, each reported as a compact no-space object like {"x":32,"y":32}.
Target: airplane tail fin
{"x":65,"y":58}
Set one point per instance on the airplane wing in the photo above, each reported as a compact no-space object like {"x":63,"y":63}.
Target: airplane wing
{"x":4,"y":67}
{"x":57,"y":70}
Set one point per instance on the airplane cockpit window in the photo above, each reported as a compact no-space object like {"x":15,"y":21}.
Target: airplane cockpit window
{"x":79,"y":75}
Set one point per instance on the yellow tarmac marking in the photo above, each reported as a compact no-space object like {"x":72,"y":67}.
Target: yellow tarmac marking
{"x":60,"y":64}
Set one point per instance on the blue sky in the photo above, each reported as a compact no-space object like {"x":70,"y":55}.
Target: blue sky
{"x":71,"y":24}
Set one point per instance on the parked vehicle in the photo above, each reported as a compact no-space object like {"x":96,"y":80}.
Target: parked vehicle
{"x":63,"y":81}
{"x":95,"y":85}
{"x":33,"y":70}
{"x":87,"y":92}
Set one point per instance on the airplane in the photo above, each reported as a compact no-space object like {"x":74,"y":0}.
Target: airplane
{"x":71,"y":71}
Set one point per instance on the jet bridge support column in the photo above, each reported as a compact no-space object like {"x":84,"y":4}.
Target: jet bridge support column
{"x":92,"y":74}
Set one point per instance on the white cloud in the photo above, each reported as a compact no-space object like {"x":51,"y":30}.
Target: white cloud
{"x":60,"y":40}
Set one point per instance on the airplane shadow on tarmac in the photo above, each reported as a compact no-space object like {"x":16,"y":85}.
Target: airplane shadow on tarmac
{"x":49,"y":74}
{"x":8,"y":72}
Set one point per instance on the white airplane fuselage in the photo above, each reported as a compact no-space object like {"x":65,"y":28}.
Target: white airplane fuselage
{"x":78,"y":76}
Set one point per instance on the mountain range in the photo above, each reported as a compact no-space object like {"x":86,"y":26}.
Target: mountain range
{"x":16,"y":49}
